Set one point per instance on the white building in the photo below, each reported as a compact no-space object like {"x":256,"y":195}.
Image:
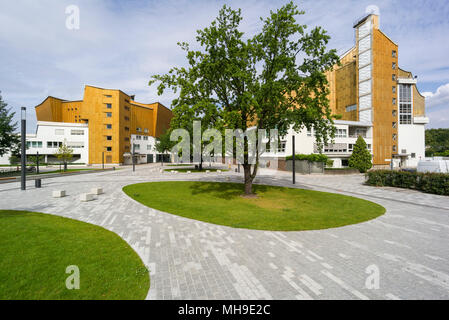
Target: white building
{"x":50,"y":135}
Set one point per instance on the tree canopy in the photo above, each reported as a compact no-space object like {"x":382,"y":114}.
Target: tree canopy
{"x":8,"y":138}
{"x":272,"y":80}
{"x":360,"y":157}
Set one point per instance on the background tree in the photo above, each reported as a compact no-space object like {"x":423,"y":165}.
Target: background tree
{"x":164,"y":144}
{"x":437,"y":142}
{"x":8,"y":139}
{"x":64,"y":154}
{"x":360,"y":157}
{"x":275,"y":79}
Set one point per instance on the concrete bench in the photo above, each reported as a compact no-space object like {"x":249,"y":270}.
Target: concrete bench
{"x":207,"y":171}
{"x":96,"y":191}
{"x":59,"y":193}
{"x":86,"y":197}
{"x":218,"y":171}
{"x":189,"y":171}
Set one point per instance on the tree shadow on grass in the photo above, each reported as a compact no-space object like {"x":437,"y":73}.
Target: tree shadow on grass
{"x":224,"y":190}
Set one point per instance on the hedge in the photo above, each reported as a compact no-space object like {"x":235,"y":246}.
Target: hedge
{"x":436,"y":183}
{"x":309,"y":157}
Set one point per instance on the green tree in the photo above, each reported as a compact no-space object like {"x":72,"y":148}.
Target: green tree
{"x":274,"y":79}
{"x":360,"y":157}
{"x":8,"y":139}
{"x":163,"y":143}
{"x":437,"y":141}
{"x":64,"y":154}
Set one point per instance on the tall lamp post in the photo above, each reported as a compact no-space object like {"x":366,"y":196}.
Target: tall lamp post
{"x":23,"y":148}
{"x":133,"y":157}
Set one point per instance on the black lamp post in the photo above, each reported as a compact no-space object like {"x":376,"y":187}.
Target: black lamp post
{"x":294,"y":159}
{"x":133,"y":157}
{"x":23,"y":148}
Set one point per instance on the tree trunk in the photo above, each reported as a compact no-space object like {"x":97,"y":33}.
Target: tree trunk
{"x":248,"y":179}
{"x":201,"y":164}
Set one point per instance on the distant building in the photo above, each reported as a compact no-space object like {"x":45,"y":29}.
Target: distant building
{"x":115,"y":123}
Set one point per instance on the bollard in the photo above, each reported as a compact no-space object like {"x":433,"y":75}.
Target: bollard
{"x":38,"y":183}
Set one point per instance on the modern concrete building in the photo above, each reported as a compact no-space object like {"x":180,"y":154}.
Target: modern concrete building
{"x":375,"y":99}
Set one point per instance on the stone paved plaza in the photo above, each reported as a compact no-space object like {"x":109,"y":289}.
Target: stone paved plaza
{"x":194,"y":260}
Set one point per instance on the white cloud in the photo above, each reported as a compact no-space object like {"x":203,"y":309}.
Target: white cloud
{"x":120,"y":44}
{"x":438,"y":98}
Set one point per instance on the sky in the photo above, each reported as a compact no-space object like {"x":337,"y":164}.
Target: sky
{"x":120,"y":44}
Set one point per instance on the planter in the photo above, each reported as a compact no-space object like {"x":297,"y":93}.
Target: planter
{"x":305,"y":166}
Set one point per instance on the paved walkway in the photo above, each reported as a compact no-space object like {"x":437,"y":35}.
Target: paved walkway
{"x":195,"y":260}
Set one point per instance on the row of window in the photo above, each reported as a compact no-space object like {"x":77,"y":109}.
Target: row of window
{"x":109,"y":126}
{"x":73,"y":132}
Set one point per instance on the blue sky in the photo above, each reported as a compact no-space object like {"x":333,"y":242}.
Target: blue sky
{"x":120,"y":44}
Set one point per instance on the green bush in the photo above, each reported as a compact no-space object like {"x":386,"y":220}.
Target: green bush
{"x":309,"y":157}
{"x":361,"y":157}
{"x":436,"y":183}
{"x":329,"y":163}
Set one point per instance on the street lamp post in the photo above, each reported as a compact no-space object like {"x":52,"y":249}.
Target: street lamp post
{"x":133,"y":157}
{"x":294,"y":159}
{"x":23,"y":149}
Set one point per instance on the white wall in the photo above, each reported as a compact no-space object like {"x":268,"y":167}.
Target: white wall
{"x":411,"y":137}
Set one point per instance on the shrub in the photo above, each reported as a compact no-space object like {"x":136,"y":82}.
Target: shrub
{"x":309,"y":157}
{"x":329,"y":163}
{"x":361,"y":157}
{"x":436,"y":183}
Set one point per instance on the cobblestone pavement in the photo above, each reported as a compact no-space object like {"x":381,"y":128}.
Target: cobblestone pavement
{"x":195,"y":260}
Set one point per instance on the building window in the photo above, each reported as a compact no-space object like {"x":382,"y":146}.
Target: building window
{"x":59,"y":132}
{"x":126,"y":100}
{"x":394,"y":148}
{"x":394,"y":89}
{"x":126,"y":118}
{"x":395,"y":136}
{"x":394,"y":113}
{"x":75,"y":132}
{"x":109,"y":126}
{"x":138,"y":137}
{"x":127,"y":108}
{"x":139,"y":129}
{"x":413,"y":155}
{"x":126,"y":129}
{"x":149,"y":147}
{"x":109,"y":138}
{"x":393,"y":77}
{"x":108,"y":96}
{"x":108,"y":148}
{"x":136,"y":146}
{"x":145,"y":130}
{"x":350,"y":147}
{"x":126,"y":139}
{"x":405,"y":104}
{"x":393,"y":53}
{"x":145,"y":137}
{"x":393,"y":66}
{"x":282,"y":145}
{"x":341,"y":133}
{"x":108,"y":106}
{"x":394,"y":101}
{"x":351,"y":108}
{"x":394,"y":124}
{"x":54,"y":144}
{"x":109,"y":114}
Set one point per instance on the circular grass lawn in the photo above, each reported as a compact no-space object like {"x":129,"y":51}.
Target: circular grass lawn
{"x":36,"y":249}
{"x":275,"y":208}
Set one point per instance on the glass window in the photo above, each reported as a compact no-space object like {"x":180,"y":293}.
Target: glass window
{"x":149,"y":147}
{"x":109,"y":126}
{"x":341,"y":133}
{"x":109,"y":138}
{"x":393,"y":65}
{"x":393,"y":77}
{"x":138,"y":129}
{"x":394,"y":148}
{"x":145,"y":138}
{"x":394,"y":113}
{"x":394,"y":124}
{"x":405,"y":104}
{"x":282,"y":145}
{"x":394,"y":101}
{"x":109,"y":105}
{"x":108,"y":148}
{"x":145,"y":130}
{"x":75,"y":132}
{"x":393,"y":53}
{"x":109,"y":114}
{"x":138,"y":137}
{"x":394,"y":136}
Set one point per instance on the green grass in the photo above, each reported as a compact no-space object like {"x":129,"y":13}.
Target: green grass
{"x":180,"y":165}
{"x":275,"y":208}
{"x":36,"y":248}
{"x":195,"y":170}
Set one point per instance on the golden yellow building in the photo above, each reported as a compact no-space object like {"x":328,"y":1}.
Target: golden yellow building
{"x":113,"y":118}
{"x":370,"y":87}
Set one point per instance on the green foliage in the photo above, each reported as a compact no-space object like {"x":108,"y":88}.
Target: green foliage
{"x":8,"y":139}
{"x":64,"y":154}
{"x":442,"y":154}
{"x":14,"y":159}
{"x":437,"y":141}
{"x":235,"y":82}
{"x":329,"y":163}
{"x":437,"y":183}
{"x":361,"y":157}
{"x":315,"y":157}
{"x":163,"y":143}
{"x":33,"y":159}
